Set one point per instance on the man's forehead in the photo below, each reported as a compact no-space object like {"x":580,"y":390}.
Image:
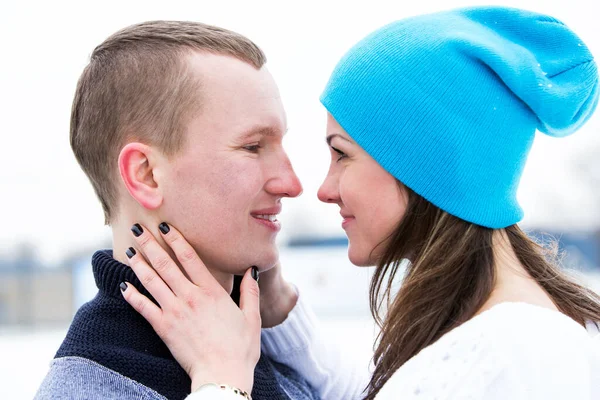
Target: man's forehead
{"x":219,"y":69}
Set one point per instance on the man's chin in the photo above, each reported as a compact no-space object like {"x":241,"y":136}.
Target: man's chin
{"x":269,"y":260}
{"x":238,"y":262}
{"x":267,"y":266}
{"x":264,"y":263}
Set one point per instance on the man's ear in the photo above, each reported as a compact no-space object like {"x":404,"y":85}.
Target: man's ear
{"x":136,"y":170}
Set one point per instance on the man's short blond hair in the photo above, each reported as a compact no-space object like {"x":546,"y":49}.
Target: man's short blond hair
{"x":138,"y":86}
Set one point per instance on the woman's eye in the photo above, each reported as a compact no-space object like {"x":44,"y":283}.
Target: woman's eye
{"x":340,"y":153}
{"x":253,"y":148}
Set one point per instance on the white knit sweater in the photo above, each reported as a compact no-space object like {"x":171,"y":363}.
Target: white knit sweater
{"x":513,"y":351}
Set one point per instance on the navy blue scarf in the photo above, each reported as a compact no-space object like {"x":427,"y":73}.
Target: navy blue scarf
{"x":108,"y":331}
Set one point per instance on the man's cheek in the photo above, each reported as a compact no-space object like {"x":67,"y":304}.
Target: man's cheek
{"x":240,"y":184}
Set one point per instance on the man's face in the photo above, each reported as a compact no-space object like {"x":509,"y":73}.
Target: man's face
{"x":224,"y":189}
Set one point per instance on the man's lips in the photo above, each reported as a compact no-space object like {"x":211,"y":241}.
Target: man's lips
{"x":267,"y":211}
{"x":268,"y":217}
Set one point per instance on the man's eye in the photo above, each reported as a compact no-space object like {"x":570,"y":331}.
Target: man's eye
{"x":253,"y":148}
{"x":341,"y":153}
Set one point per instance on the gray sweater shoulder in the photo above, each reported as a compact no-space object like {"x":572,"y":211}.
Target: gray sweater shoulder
{"x":76,"y":378}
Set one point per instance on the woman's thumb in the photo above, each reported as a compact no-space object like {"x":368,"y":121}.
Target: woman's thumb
{"x":250,"y":296}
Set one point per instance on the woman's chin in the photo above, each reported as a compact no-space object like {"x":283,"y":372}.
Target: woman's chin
{"x":359,"y":258}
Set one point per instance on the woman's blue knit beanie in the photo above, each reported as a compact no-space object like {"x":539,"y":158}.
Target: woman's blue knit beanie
{"x":448,"y":103}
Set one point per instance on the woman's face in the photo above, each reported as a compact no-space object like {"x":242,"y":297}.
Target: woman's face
{"x":370,"y":199}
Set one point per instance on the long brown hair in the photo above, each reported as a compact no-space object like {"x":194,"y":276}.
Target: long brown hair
{"x":450,"y":276}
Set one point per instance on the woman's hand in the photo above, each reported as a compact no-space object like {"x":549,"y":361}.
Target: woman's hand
{"x":212,"y":339}
{"x":277,"y":297}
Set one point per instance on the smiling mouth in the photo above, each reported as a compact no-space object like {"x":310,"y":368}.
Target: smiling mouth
{"x":267,"y":217}
{"x":268,"y":221}
{"x":346,"y":221}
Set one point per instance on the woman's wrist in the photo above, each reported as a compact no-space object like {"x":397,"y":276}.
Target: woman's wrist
{"x":214,"y":391}
{"x":244,"y":383}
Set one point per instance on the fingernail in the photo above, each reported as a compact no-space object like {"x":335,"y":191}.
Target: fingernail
{"x":130,"y":252}
{"x":254,"y":273}
{"x":137,"y":230}
{"x":164,"y":228}
{"x":123,"y":286}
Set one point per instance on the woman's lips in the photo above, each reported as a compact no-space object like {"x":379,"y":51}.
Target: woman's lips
{"x":347,"y":220}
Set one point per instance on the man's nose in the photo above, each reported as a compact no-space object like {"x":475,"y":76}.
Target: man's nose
{"x":286,"y":182}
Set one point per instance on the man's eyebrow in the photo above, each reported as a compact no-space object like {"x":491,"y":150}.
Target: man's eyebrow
{"x":263,"y":131}
{"x":329,"y":138}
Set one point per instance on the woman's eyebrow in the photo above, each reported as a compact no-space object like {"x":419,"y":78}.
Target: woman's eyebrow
{"x":329,"y":138}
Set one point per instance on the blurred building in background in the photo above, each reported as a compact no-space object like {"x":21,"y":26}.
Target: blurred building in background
{"x":579,"y":251}
{"x":34,"y":294}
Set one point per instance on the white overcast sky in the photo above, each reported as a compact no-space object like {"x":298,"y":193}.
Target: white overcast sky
{"x":46,"y":200}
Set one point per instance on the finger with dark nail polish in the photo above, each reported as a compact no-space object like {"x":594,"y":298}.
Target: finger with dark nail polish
{"x":137,"y":230}
{"x":254,"y":273}
{"x":164,"y":228}
{"x":130,"y":252}
{"x":123,"y":286}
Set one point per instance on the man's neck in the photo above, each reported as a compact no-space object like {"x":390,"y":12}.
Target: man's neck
{"x":123,"y":239}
